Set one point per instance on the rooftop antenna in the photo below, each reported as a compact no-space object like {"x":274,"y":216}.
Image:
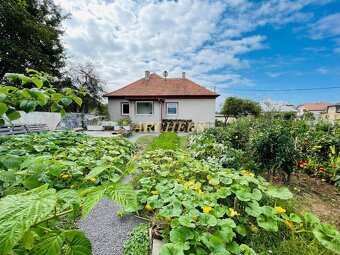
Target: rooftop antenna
{"x":214,"y":88}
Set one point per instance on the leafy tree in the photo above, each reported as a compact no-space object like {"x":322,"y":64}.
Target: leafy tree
{"x":236,"y":107}
{"x":90,"y":81}
{"x":308,"y":116}
{"x":30,"y":33}
{"x":26,"y":93}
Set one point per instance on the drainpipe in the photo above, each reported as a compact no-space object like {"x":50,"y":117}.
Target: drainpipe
{"x":160,"y":101}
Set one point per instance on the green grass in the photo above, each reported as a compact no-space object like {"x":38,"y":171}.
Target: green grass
{"x":144,"y":141}
{"x":166,"y":140}
{"x":183,"y":141}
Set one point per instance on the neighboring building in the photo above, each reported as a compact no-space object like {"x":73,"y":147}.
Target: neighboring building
{"x":332,"y":112}
{"x":153,"y":99}
{"x":315,"y":108}
{"x":268,"y":105}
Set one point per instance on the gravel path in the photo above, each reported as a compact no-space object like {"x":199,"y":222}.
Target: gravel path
{"x":106,"y":231}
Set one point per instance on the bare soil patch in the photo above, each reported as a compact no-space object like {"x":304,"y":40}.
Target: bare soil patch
{"x":318,"y":197}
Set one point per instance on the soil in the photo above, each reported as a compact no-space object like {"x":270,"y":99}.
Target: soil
{"x":318,"y":197}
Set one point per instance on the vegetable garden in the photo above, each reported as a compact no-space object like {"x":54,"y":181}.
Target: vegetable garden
{"x":223,"y":191}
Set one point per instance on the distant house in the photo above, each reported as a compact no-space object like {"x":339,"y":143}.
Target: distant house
{"x":332,"y":113}
{"x":153,"y":99}
{"x":315,"y":108}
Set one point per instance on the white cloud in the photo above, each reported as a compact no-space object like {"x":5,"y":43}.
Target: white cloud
{"x":275,"y":74}
{"x":126,"y":37}
{"x":328,"y":26}
{"x":322,"y":70}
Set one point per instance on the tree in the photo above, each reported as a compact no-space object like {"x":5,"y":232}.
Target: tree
{"x":30,"y":32}
{"x":236,"y":107}
{"x":90,"y":81}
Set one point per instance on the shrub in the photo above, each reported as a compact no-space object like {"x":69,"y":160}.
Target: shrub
{"x":274,"y":149}
{"x":126,"y":121}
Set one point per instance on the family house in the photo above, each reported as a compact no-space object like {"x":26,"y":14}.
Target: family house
{"x":315,"y":108}
{"x":332,"y":113}
{"x":154,"y":99}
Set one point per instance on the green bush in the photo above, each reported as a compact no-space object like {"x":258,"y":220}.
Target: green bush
{"x":166,"y":140}
{"x":274,"y":150}
{"x":139,"y":241}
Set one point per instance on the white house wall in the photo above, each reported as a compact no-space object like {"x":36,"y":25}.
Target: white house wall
{"x":198,"y":110}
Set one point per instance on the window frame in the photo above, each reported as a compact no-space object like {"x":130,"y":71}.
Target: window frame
{"x":144,"y":114}
{"x":122,"y":108}
{"x":167,"y":109}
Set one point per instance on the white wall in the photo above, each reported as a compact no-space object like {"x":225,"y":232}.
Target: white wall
{"x":51,"y":119}
{"x":198,"y":110}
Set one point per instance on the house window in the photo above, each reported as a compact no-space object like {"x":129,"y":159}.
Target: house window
{"x":125,"y":108}
{"x":171,"y":108}
{"x":144,"y":108}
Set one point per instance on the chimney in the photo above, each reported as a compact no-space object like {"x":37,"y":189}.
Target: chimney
{"x":183,"y":75}
{"x":147,"y":75}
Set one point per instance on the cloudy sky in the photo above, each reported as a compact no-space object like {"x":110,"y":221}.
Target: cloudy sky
{"x":243,"y":48}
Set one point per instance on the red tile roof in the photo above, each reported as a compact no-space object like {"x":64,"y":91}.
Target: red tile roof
{"x":316,"y":106}
{"x":157,"y":86}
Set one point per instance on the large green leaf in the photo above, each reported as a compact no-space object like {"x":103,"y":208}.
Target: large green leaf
{"x":3,"y":108}
{"x":13,"y":114}
{"x":267,"y":223}
{"x":181,"y":235}
{"x":92,"y":199}
{"x":50,"y":244}
{"x":123,"y":194}
{"x":20,"y":212}
{"x":171,"y":249}
{"x":39,"y":83}
{"x":282,"y":193}
{"x":328,"y":236}
{"x":96,"y":171}
{"x":11,"y":161}
{"x":28,"y":105}
{"x":78,"y":243}
{"x":207,"y":220}
{"x":7,"y":176}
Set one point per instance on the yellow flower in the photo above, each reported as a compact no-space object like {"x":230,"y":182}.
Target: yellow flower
{"x":246,"y":173}
{"x":233,"y":212}
{"x":289,"y":223}
{"x":148,"y":208}
{"x":200,"y":192}
{"x":168,"y":218}
{"x":195,"y":217}
{"x":65,"y":176}
{"x":92,"y":179}
{"x":207,"y":209}
{"x":154,"y":192}
{"x":279,"y":209}
{"x":253,"y":228}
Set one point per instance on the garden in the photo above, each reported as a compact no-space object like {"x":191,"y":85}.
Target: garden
{"x":236,"y":189}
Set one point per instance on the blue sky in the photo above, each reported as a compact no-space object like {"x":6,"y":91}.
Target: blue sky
{"x":235,"y":46}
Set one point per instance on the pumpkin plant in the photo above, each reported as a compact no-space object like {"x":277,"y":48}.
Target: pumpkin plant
{"x":207,"y":209}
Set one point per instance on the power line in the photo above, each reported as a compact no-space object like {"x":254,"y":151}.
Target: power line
{"x":278,"y":90}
